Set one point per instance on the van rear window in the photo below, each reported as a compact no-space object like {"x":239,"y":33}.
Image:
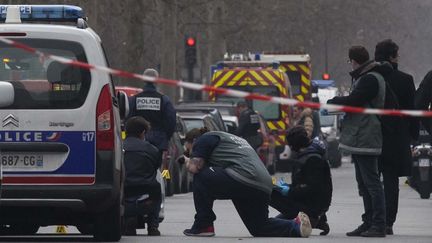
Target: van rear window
{"x":45,"y":84}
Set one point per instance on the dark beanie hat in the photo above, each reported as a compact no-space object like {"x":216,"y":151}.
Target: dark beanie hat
{"x":297,"y":138}
{"x":358,"y":54}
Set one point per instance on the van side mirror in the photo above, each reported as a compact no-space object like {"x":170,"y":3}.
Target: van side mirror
{"x":7,"y":94}
{"x":123,"y":104}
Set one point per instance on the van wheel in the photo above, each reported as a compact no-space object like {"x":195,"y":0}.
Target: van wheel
{"x":108,"y":224}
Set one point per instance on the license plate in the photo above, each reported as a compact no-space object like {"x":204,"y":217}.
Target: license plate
{"x":424,"y":163}
{"x":20,"y":161}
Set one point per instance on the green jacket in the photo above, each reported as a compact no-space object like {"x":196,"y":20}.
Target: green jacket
{"x":361,"y":133}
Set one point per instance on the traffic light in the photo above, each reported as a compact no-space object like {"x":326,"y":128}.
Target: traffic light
{"x":190,"y":51}
{"x":326,"y":76}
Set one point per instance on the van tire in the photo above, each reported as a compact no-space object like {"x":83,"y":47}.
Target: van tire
{"x":108,"y":224}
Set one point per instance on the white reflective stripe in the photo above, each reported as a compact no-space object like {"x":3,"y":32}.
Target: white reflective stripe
{"x":372,"y":151}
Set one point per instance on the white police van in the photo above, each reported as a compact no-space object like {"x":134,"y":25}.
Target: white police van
{"x":60,"y":143}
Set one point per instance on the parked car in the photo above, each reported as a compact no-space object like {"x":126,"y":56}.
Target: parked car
{"x":179,"y":180}
{"x":330,"y":124}
{"x":228,"y":110}
{"x":199,"y":117}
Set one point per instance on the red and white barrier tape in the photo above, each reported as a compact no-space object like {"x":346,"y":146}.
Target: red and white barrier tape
{"x":223,"y":91}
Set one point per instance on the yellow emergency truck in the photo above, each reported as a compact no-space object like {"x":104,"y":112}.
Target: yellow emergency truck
{"x":257,"y":77}
{"x":298,"y":68}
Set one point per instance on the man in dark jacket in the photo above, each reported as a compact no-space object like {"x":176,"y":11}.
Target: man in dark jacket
{"x":142,"y":160}
{"x":423,"y":100}
{"x":249,"y":124}
{"x":158,"y":110}
{"x":225,"y":166}
{"x":362,"y":137}
{"x":398,"y":132}
{"x":311,"y":188}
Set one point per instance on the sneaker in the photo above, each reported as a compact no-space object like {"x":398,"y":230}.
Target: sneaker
{"x":151,"y":231}
{"x":389,"y":230}
{"x":357,"y":232}
{"x":374,"y":232}
{"x":303,"y":224}
{"x":205,"y":232}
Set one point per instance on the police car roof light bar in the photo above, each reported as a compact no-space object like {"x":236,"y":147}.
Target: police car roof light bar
{"x":53,"y":13}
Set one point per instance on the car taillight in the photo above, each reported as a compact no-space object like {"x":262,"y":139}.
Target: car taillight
{"x":105,"y":121}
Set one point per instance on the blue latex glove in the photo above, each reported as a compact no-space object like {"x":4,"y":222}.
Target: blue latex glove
{"x":284,"y":190}
{"x":281,"y":183}
{"x":284,"y":187}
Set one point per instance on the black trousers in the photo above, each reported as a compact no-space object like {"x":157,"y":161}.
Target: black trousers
{"x":155,"y":194}
{"x":391,"y":192}
{"x":213,"y":183}
{"x":289,"y":208}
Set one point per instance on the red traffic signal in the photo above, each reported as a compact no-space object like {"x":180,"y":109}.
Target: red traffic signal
{"x":326,"y":76}
{"x":190,"y":41}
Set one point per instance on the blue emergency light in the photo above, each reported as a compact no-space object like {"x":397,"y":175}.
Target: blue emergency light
{"x":60,"y":13}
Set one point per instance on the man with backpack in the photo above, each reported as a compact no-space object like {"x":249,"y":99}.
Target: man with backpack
{"x":311,"y":188}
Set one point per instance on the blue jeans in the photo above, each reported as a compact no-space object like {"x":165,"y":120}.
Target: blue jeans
{"x":213,"y":183}
{"x":369,"y":185}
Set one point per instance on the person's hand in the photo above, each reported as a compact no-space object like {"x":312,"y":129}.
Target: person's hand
{"x":284,"y":190}
{"x":281,"y":183}
{"x":283,"y":186}
{"x":194,"y":165}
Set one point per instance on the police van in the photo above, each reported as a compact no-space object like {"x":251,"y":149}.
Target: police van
{"x":60,"y":144}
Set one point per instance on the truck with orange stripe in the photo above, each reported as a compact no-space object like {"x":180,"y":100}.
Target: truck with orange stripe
{"x":296,"y":66}
{"x":262,"y":78}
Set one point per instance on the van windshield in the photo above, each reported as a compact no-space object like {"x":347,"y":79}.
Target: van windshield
{"x":270,"y":111}
{"x":45,"y":83}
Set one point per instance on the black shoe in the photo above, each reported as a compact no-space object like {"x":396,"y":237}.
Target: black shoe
{"x":357,"y":232}
{"x":151,"y":231}
{"x":389,"y":230}
{"x":374,"y":232}
{"x":324,"y":226}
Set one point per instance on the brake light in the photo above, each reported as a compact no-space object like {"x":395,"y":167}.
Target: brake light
{"x":105,"y":120}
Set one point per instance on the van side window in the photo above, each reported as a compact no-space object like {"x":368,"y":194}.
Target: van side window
{"x":45,"y":83}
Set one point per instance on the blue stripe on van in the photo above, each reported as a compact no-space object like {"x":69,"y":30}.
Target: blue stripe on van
{"x":81,"y":159}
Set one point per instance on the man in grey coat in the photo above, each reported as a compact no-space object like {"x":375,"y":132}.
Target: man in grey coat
{"x":361,"y":136}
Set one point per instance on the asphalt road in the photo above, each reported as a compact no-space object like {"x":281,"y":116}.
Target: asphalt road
{"x":414,"y":222}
